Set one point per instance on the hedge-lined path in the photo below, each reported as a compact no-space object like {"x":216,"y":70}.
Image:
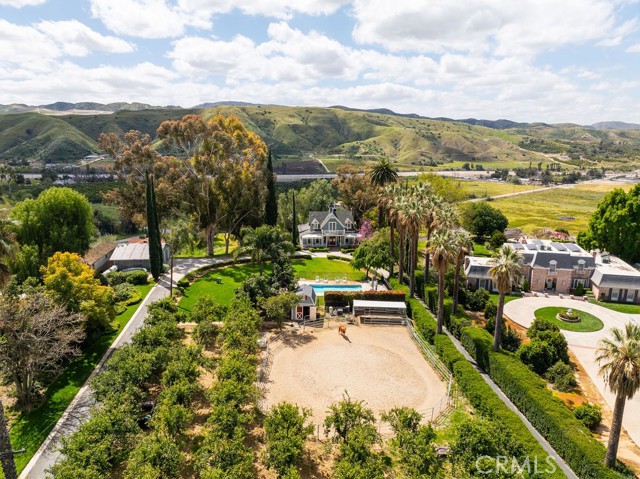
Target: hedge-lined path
{"x":495,"y":388}
{"x":79,"y":409}
{"x":584,"y":345}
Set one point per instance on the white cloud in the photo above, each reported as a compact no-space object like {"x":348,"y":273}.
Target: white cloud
{"x":282,"y":9}
{"x":76,"y":39}
{"x":633,"y":48}
{"x":147,"y":18}
{"x":21,"y":3}
{"x":505,"y":27}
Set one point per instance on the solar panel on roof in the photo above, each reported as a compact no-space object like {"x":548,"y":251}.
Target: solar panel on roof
{"x":531,"y":247}
{"x":517,"y":246}
{"x":574,"y":248}
{"x":559,"y":246}
{"x":536,"y":241}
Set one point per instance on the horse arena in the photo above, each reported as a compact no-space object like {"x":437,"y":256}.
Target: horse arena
{"x":381,"y":365}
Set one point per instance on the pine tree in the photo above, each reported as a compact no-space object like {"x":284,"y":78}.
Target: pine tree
{"x":155,"y":246}
{"x":271,"y":207}
{"x":294,"y":225}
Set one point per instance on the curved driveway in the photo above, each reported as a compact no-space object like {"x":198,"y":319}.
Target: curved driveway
{"x":584,"y":345}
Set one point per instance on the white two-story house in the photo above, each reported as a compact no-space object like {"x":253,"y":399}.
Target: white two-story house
{"x":328,"y":229}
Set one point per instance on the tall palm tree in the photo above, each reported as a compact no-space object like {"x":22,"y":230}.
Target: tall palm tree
{"x":505,"y":271}
{"x":7,"y":250}
{"x":619,"y":358}
{"x":391,"y":193}
{"x":380,"y":175}
{"x":263,"y":243}
{"x":463,"y":244}
{"x":441,"y":247}
{"x":411,"y":214}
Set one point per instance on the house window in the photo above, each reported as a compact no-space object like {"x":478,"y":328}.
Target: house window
{"x":348,"y":224}
{"x":315,"y":224}
{"x":581,"y":265}
{"x":332,"y":225}
{"x":552,"y":267}
{"x":577,"y":282}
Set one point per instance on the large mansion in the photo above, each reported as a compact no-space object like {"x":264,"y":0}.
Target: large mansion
{"x":561,"y":268}
{"x":325,"y":229}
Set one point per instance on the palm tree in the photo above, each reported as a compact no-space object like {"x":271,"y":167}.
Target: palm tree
{"x":263,"y":243}
{"x":505,"y":271}
{"x":7,"y":250}
{"x":391,"y":192}
{"x":463,"y":244}
{"x":619,"y":359}
{"x":411,"y":213}
{"x":441,"y":247}
{"x":380,"y":175}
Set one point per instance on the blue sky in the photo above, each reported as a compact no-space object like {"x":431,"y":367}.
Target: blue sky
{"x":527,"y":60}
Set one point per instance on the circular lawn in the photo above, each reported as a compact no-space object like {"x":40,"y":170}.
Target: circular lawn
{"x":587,"y":324}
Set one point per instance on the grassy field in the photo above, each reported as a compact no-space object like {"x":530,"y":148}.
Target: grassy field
{"x":545,"y":209}
{"x":481,"y":189}
{"x":588,"y":322}
{"x":29,"y":430}
{"x":233,"y":276}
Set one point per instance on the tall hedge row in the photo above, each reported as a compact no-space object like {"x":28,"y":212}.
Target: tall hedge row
{"x":550,"y":416}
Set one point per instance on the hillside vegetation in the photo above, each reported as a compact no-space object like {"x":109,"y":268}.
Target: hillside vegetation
{"x":340,"y":136}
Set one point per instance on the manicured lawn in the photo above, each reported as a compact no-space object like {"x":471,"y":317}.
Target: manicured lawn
{"x":619,"y":307}
{"x":30,"y":429}
{"x":233,"y":276}
{"x":218,"y":248}
{"x":481,"y":250}
{"x":493,"y":297}
{"x":588,"y":322}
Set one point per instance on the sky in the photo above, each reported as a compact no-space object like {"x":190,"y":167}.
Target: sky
{"x":554,"y":61}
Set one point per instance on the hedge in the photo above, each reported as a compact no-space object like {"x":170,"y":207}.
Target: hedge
{"x":550,"y":416}
{"x":339,"y":299}
{"x":431,"y":297}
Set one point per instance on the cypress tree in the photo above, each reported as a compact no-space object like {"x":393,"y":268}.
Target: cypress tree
{"x":271,"y":206}
{"x":294,"y":226}
{"x":155,"y":246}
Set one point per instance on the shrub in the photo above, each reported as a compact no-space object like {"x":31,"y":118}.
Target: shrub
{"x":561,"y":375}
{"x":206,"y":309}
{"x":537,"y":355}
{"x":115,"y":278}
{"x":120,"y":308}
{"x":134,"y":299}
{"x":490,"y":312}
{"x":511,"y":340}
{"x":525,"y":285}
{"x":478,"y":299}
{"x":138,"y":277}
{"x":590,"y":415}
{"x":183,"y":282}
{"x":539,"y":325}
{"x":431,"y":297}
{"x":478,"y":343}
{"x":458,"y":323}
{"x":579,"y":291}
{"x":497,"y":239}
{"x":122,"y":292}
{"x":425,"y":324}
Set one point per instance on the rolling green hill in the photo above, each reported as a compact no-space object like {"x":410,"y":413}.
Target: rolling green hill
{"x":340,"y":135}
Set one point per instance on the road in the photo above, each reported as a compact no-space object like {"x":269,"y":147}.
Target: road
{"x":79,"y":409}
{"x":470,"y":175}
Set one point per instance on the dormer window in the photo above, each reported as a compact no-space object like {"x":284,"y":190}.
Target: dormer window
{"x":552,"y":266}
{"x":581,"y":265}
{"x":348,"y":224}
{"x":315,"y":225}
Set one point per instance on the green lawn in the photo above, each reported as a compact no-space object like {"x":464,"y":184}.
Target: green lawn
{"x":588,"y":322}
{"x":481,"y":250}
{"x":493,"y":297}
{"x":619,"y":307}
{"x":233,"y":276}
{"x":219,"y":248}
{"x":30,"y":429}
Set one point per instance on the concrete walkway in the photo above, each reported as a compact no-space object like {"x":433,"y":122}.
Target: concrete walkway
{"x":79,"y":410}
{"x":584,"y":345}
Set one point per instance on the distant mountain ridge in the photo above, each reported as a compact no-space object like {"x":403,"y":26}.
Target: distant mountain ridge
{"x":66,"y":132}
{"x":615,"y":125}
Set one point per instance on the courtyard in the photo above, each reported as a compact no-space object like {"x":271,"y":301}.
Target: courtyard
{"x":378,"y":364}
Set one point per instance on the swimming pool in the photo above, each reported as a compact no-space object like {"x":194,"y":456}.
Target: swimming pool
{"x":321,"y":288}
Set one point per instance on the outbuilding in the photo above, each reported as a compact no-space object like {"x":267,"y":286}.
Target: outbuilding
{"x":379,"y":311}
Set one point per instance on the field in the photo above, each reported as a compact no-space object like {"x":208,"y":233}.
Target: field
{"x":546,"y":208}
{"x":378,"y":364}
{"x":295,"y":165}
{"x":29,"y":430}
{"x":232,"y":277}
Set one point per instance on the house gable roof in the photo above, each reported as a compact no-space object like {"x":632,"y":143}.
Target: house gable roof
{"x":97,"y":252}
{"x":323,"y":216}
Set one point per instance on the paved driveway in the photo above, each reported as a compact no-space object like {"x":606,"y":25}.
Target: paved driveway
{"x":584,"y":345}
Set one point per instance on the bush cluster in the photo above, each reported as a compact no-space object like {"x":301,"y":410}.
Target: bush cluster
{"x":132,"y":277}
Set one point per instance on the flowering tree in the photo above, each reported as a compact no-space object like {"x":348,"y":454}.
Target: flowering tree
{"x":365,"y":231}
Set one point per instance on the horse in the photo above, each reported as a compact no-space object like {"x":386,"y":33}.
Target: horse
{"x":342,"y":330}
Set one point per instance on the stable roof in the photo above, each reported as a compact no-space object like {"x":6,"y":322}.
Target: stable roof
{"x":362,"y":303}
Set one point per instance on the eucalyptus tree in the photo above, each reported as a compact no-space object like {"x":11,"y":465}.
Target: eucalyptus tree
{"x":619,"y":358}
{"x":441,"y":246}
{"x":506,"y":269}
